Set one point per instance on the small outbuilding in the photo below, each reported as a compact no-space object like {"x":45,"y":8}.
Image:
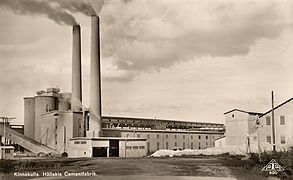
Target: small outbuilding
{"x":6,"y":152}
{"x":107,"y":147}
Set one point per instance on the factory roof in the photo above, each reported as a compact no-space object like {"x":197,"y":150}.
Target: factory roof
{"x":277,"y":107}
{"x":248,"y":112}
{"x":166,"y":131}
{"x":108,"y":138}
{"x":166,"y":120}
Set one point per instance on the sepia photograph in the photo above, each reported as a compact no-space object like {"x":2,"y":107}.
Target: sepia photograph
{"x":146,"y":89}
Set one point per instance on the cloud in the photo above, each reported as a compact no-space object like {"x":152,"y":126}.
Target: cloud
{"x":56,"y":10}
{"x":144,"y":35}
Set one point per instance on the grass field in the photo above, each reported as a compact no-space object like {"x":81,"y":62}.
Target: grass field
{"x":176,"y":166}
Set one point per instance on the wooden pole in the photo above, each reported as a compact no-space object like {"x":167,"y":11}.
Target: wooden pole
{"x":273,"y":123}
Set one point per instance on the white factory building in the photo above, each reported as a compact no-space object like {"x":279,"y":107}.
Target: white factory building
{"x":253,"y":131}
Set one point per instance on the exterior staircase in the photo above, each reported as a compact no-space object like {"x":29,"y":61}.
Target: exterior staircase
{"x":26,"y":142}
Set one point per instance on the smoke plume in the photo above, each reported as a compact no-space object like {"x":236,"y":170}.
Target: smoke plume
{"x":76,"y":6}
{"x":56,"y":10}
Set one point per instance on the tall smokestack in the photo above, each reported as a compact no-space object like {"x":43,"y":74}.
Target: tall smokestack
{"x":76,"y":98}
{"x":95,"y":80}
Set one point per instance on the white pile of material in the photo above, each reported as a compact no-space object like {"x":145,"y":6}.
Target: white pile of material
{"x":232,"y":150}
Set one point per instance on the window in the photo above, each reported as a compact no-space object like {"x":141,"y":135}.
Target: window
{"x":158,"y":136}
{"x":191,"y":144}
{"x":268,"y":120}
{"x":158,"y":145}
{"x":87,"y":123}
{"x":232,"y":115}
{"x":283,"y":140}
{"x":191,"y":136}
{"x":282,"y":120}
{"x":199,"y":145}
{"x":199,"y":137}
{"x":82,"y":142}
{"x":141,"y":147}
{"x":183,"y":145}
{"x":175,"y":144}
{"x":175,"y":136}
{"x":76,"y":142}
{"x":269,"y":139}
{"x":135,"y":147}
{"x":138,"y":135}
{"x":148,"y":136}
{"x":166,"y":136}
{"x":206,"y":144}
{"x":167,"y":145}
{"x":183,"y":136}
{"x":207,"y":137}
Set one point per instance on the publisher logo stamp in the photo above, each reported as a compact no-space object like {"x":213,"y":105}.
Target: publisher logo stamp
{"x":273,"y":167}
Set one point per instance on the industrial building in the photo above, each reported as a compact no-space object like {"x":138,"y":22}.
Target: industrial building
{"x":254,"y":131}
{"x":56,"y":122}
{"x":283,"y":128}
{"x":164,"y":134}
{"x":239,"y":124}
{"x":59,"y":124}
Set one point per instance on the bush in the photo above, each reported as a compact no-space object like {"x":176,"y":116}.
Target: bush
{"x":7,"y":166}
{"x":284,"y":158}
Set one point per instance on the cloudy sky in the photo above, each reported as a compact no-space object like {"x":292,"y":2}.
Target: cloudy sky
{"x":174,"y":59}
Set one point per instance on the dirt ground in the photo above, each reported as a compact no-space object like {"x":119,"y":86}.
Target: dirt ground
{"x":145,"y":167}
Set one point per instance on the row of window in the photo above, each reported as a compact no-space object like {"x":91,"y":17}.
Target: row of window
{"x":175,"y":136}
{"x":175,"y":144}
{"x":135,"y":147}
{"x":79,"y":142}
{"x":283,"y":139}
{"x":148,"y":122}
{"x":282,"y":120}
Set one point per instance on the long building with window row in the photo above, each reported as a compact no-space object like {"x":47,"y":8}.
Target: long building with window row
{"x":164,"y":134}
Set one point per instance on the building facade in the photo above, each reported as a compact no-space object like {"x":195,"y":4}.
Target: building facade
{"x":254,"y":131}
{"x":107,"y":147}
{"x":283,"y":123}
{"x":164,"y":134}
{"x":55,"y":124}
{"x":239,"y":124}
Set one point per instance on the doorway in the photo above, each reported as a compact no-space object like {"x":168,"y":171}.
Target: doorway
{"x":99,"y":152}
{"x":114,"y":148}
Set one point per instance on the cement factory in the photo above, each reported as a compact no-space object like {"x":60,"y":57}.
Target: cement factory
{"x":56,"y":123}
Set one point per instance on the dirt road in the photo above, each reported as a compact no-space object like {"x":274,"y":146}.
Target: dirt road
{"x":144,"y":168}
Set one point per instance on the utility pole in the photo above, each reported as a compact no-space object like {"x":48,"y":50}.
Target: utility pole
{"x":64,"y":139}
{"x":273,"y":123}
